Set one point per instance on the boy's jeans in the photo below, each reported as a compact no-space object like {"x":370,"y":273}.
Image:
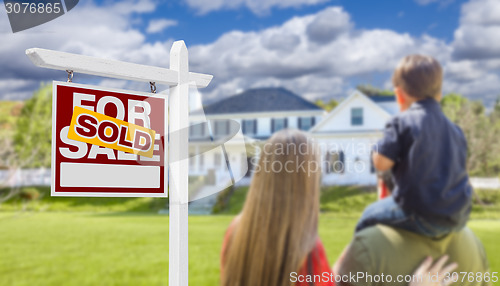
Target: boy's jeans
{"x":388,"y":212}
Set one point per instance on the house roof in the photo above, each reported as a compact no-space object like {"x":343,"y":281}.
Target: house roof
{"x":376,"y":101}
{"x":382,"y":98}
{"x":261,"y":100}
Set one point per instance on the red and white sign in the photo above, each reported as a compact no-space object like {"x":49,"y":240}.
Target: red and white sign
{"x":83,"y":169}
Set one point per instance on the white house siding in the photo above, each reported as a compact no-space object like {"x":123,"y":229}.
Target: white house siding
{"x":333,"y":131}
{"x":264,"y":120}
{"x":337,"y":133}
{"x":293,"y":122}
{"x":263,"y":126}
{"x":374,"y":117}
{"x":357,"y":167}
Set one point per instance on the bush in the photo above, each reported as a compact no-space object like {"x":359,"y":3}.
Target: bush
{"x":223,"y":200}
{"x":29,"y":194}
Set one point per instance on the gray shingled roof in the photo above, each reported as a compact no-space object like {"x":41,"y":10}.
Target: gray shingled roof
{"x":382,"y":98}
{"x":261,"y":100}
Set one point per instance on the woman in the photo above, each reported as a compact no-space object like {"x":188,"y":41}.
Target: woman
{"x":275,"y":238}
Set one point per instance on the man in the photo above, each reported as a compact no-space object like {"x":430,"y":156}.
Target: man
{"x":396,"y":253}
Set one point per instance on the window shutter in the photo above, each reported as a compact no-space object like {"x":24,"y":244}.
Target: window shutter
{"x":342,"y":160}
{"x":300,"y":123}
{"x":227,"y":127}
{"x":255,"y":126}
{"x":243,"y":126}
{"x":272,"y":125}
{"x":327,"y":162}
{"x":313,"y":121}
{"x":286,"y":122}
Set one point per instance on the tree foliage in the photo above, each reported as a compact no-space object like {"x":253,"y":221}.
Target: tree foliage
{"x":371,"y":90}
{"x":32,"y":138}
{"x":328,"y":106}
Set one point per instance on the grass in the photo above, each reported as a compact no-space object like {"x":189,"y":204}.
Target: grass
{"x":350,"y":201}
{"x":343,"y":201}
{"x":82,"y":249}
{"x":79,"y":204}
{"x":101,"y":249}
{"x":122,"y":241}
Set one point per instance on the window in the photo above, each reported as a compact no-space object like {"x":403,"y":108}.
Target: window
{"x":197,"y":130}
{"x":335,"y":162}
{"x":305,"y":123}
{"x":249,"y":126}
{"x":221,"y":127}
{"x":356,"y":116}
{"x":278,"y":124}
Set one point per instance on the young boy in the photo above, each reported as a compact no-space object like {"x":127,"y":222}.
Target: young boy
{"x":427,"y":154}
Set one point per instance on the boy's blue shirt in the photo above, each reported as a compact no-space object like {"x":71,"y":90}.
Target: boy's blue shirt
{"x":430,"y":155}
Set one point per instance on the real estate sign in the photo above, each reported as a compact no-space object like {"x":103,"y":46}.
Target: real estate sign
{"x":107,"y":142}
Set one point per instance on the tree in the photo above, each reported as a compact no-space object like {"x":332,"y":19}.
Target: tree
{"x":370,"y":90}
{"x":481,"y":130}
{"x":30,"y":144}
{"x":32,"y":139}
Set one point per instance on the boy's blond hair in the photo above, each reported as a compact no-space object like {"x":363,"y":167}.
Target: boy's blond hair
{"x":419,"y":76}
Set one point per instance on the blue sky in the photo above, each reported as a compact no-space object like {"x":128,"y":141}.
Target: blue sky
{"x":435,"y":19}
{"x":315,"y":48}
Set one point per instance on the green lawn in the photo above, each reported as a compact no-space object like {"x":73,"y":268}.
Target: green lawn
{"x":343,"y":201}
{"x":350,"y":201}
{"x":40,"y":248}
{"x":122,"y":241}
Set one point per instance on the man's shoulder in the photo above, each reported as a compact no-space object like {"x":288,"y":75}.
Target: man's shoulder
{"x":380,"y":235}
{"x":388,"y":233}
{"x":383,"y":249}
{"x":381,"y":239}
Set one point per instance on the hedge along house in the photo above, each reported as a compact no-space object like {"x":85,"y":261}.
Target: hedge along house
{"x":347,"y":136}
{"x":260,"y":112}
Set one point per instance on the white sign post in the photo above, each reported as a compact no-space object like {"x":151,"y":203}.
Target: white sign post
{"x":179,"y":79}
{"x":178,"y":147}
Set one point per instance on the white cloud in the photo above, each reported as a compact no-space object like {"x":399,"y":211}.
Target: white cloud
{"x":256,"y":6}
{"x":474,"y":69}
{"x":159,"y":25}
{"x":481,"y":12}
{"x":479,"y":31}
{"x":328,"y":25}
{"x":485,"y":88}
{"x":308,"y":54}
{"x":328,"y":65}
{"x":317,"y":55}
{"x":103,"y":31}
{"x":425,"y":2}
{"x":442,"y":3}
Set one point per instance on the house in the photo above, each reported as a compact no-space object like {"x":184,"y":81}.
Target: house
{"x":346,"y":134}
{"x":260,"y":113}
